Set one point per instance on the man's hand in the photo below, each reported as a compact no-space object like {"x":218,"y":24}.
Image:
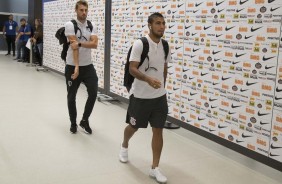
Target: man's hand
{"x":74,"y":44}
{"x":76,"y":73}
{"x":154,"y":83}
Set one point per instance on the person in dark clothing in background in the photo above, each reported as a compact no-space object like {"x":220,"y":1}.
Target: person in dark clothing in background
{"x":37,"y":40}
{"x":9,"y":31}
{"x":22,"y":38}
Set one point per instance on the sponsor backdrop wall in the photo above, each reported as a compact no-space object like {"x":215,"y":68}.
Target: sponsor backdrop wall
{"x":226,"y":74}
{"x":56,"y":14}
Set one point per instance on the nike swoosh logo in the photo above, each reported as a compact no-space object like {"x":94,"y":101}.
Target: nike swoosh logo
{"x":211,"y":100}
{"x":255,"y":29}
{"x":190,"y":78}
{"x":230,"y":113}
{"x":193,"y":34}
{"x":219,"y":126}
{"x":235,"y":106}
{"x":276,"y":98}
{"x":263,"y":123}
{"x":187,"y":27}
{"x":273,"y":9}
{"x":195,"y":50}
{"x":176,"y":89}
{"x":245,"y":136}
{"x":214,"y":53}
{"x":205,"y":28}
{"x":195,"y":11}
{"x":229,"y":28}
{"x":234,"y":63}
{"x":173,"y":12}
{"x":247,"y":37}
{"x":243,"y":90}
{"x":183,"y":112}
{"x":185,"y":70}
{"x":239,"y":55}
{"x":151,"y":7}
{"x":266,"y":59}
{"x":250,"y":83}
{"x":243,"y":2}
{"x":278,"y":90}
{"x":213,"y":107}
{"x":164,"y":6}
{"x":239,"y":10}
{"x":220,"y":10}
{"x":203,"y":74}
{"x":226,"y":78}
{"x":198,"y":4}
{"x":218,"y":35}
{"x":201,"y":119}
{"x":274,"y":147}
{"x":272,"y":155}
{"x":189,"y":100}
{"x":177,"y":48}
{"x":192,"y":94}
{"x":218,"y":3}
{"x":271,"y":1}
{"x":170,"y":26}
{"x":211,"y":130}
{"x":172,"y":32}
{"x":262,"y":114}
{"x":268,"y":67}
{"x":180,"y":5}
{"x":215,"y":83}
{"x":138,"y":7}
{"x":216,"y":60}
{"x":238,"y":141}
{"x":193,"y":56}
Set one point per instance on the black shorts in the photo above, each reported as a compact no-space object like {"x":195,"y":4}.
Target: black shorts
{"x":142,"y":111}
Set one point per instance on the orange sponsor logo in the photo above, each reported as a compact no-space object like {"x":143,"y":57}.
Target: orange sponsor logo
{"x":175,"y":110}
{"x":229,"y":54}
{"x":188,"y":49}
{"x":173,"y":6}
{"x":181,"y":13}
{"x":215,"y":77}
{"x":218,"y":28}
{"x":260,"y":38}
{"x":242,"y":117}
{"x":179,"y":27}
{"x":255,"y":93}
{"x":198,"y":103}
{"x":251,"y":147}
{"x":192,"y":116}
{"x":254,"y":57}
{"x":158,"y":7}
{"x":279,"y":119}
{"x":201,"y":58}
{"x":209,"y":3}
{"x":240,"y":82}
{"x":278,"y":128}
{"x":250,"y":111}
{"x":202,"y":35}
{"x":261,"y":142}
{"x":247,"y":65}
{"x":169,"y":87}
{"x":251,"y":10}
{"x":204,"y":11}
{"x":234,"y":132}
{"x":197,"y":125}
{"x":226,"y":104}
{"x":266,"y":87}
{"x":198,"y":28}
{"x":232,"y":3}
{"x":224,"y":86}
{"x":243,"y":29}
{"x":211,"y":123}
{"x":229,"y":37}
{"x":190,"y":5}
{"x":199,"y":81}
{"x":259,"y":1}
{"x":195,"y":73}
{"x":203,"y":97}
{"x":177,"y":69}
{"x":272,"y":30}
{"x":207,"y":51}
{"x":222,"y":135}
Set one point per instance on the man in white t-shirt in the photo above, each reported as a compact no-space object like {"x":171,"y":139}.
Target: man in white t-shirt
{"x":148,"y":101}
{"x":79,"y":67}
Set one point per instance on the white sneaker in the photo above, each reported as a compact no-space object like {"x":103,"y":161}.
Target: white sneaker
{"x":156,"y":173}
{"x":123,"y":154}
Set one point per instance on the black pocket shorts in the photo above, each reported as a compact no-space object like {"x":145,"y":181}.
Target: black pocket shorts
{"x":142,"y":111}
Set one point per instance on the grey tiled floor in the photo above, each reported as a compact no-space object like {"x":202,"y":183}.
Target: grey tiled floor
{"x":37,"y":148}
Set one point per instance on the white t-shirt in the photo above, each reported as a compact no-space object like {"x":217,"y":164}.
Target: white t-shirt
{"x":141,"y":89}
{"x":84,"y":53}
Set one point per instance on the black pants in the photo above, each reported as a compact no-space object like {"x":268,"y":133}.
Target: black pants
{"x":87,"y":75}
{"x":11,"y":43}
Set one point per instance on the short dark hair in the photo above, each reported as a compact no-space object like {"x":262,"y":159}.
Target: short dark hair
{"x":153,"y":16}
{"x":81,"y":2}
{"x":22,"y":19}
